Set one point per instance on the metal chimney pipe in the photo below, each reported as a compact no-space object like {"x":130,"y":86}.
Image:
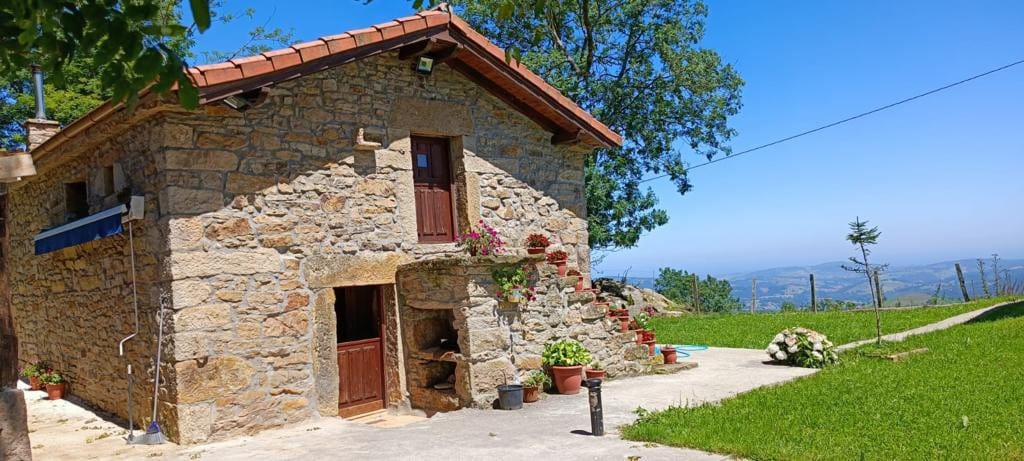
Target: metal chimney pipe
{"x":37,"y":75}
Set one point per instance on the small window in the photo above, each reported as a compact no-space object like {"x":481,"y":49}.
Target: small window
{"x":76,"y":201}
{"x":107,"y":177}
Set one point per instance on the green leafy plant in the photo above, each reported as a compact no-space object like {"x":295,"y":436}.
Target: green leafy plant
{"x":51,"y":377}
{"x":565,"y":353}
{"x":512,"y":281}
{"x":34,"y":369}
{"x":537,"y":378}
{"x":643,"y":321}
{"x":596,"y":365}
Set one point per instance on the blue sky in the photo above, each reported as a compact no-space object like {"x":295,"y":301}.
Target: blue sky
{"x":941,"y":176}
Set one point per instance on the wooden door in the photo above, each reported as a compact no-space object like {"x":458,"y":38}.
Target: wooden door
{"x":360,"y":350}
{"x":432,"y":176}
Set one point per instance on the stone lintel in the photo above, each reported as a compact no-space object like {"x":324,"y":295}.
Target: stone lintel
{"x":325,"y":271}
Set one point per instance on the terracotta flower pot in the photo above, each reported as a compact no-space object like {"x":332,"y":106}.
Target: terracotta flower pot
{"x":535,"y":250}
{"x":595,"y":374}
{"x":640,"y":336}
{"x":650,"y":347}
{"x":531,"y":394}
{"x":579,"y":284}
{"x":568,"y":379}
{"x":35,"y":383}
{"x":562,"y":267}
{"x":623,"y":324}
{"x":669,"y":353}
{"x":55,"y":391}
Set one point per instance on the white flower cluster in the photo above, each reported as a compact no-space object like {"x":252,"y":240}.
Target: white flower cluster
{"x":803,"y":347}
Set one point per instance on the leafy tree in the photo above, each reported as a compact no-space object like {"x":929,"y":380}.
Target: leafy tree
{"x":136,"y":41}
{"x":788,"y":306}
{"x":715,"y":294}
{"x":862,"y":237}
{"x":77,"y":87}
{"x":637,"y":66}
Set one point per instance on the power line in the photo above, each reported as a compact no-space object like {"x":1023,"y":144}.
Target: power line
{"x":848,"y":119}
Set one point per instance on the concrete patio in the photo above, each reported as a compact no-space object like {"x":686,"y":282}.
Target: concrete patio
{"x":557,"y":426}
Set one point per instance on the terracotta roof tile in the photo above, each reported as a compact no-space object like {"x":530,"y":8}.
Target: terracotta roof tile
{"x":535,"y":91}
{"x":390,"y":30}
{"x":412,"y":23}
{"x":309,"y":51}
{"x":283,"y":58}
{"x":254,"y":65}
{"x":339,"y":43}
{"x":365,"y":36}
{"x":220,"y":73}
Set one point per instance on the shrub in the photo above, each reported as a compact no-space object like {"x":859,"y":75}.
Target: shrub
{"x":565,"y":353}
{"x":802,"y":347}
{"x":483,"y":240}
{"x":537,"y":241}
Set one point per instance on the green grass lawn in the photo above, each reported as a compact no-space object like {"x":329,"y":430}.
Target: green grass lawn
{"x":755,"y":330}
{"x":964,"y":399}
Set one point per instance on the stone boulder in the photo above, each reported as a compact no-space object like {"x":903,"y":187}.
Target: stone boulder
{"x":622,"y":295}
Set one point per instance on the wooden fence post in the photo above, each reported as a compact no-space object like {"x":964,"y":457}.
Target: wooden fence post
{"x":963,"y":286}
{"x":878,"y":289}
{"x":753,"y":295}
{"x":696,"y":293}
{"x":814,"y":296}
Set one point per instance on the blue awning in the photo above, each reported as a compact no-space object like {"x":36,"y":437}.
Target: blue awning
{"x":87,"y":229}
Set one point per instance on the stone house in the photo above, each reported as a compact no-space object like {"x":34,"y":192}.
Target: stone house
{"x":298,"y":234}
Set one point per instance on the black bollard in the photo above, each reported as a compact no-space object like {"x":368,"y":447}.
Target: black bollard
{"x":596,"y":412}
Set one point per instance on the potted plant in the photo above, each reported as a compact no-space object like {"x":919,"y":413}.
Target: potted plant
{"x":579,"y":278}
{"x":595,"y":371}
{"x":566,"y":359}
{"x":648,"y":340}
{"x":55,"y":384}
{"x":537,"y":243}
{"x":669,"y":352}
{"x":533,"y":384}
{"x":33,"y":371}
{"x":483,"y":241}
{"x":560,"y":259}
{"x":624,"y":323}
{"x":513,"y":284}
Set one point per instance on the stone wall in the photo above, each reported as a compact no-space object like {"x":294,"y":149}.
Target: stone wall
{"x":497,"y":341}
{"x":72,"y":307}
{"x":270,"y":208}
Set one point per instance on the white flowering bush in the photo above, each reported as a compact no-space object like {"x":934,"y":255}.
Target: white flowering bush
{"x":802,"y":347}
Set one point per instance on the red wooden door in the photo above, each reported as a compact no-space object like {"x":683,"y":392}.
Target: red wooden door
{"x":360,"y":351}
{"x":433,"y":185}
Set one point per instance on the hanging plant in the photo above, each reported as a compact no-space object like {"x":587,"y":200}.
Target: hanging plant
{"x":513,"y":284}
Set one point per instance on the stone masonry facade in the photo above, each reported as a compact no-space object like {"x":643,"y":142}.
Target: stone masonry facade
{"x":254,"y":217}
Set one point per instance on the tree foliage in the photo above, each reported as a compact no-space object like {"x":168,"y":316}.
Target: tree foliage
{"x":638,"y":66}
{"x":136,"y":41}
{"x":715,"y":294}
{"x":78,"y":85}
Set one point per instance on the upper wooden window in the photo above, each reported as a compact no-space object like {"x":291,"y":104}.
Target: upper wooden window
{"x":432,"y":175}
{"x":76,"y":201}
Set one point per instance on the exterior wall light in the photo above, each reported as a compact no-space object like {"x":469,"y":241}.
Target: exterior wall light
{"x":425,"y":65}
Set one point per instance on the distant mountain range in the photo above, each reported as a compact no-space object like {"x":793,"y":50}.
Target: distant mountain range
{"x":906,"y":285}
